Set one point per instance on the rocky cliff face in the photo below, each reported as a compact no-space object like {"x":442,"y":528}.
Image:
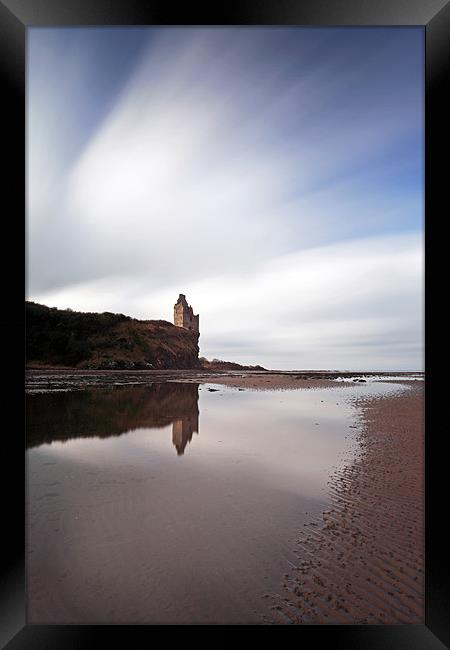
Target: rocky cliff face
{"x":65,"y":338}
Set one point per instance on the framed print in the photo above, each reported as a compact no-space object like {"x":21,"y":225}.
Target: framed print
{"x":223,"y":223}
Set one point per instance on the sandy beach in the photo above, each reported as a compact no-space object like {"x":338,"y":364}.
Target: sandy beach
{"x":363,"y":560}
{"x":356,"y":557}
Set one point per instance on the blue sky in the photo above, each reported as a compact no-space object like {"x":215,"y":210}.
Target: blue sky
{"x":273,"y":175}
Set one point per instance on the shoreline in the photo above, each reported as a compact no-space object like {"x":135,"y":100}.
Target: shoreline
{"x":47,"y":380}
{"x":362,"y":561}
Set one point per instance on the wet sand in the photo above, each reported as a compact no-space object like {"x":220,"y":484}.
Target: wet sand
{"x":54,"y":379}
{"x":273,"y":382}
{"x":122,"y":529}
{"x":124,"y":551}
{"x":363,"y":560}
{"x":360,"y":561}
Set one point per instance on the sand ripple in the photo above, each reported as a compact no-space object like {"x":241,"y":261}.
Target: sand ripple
{"x":363,"y":561}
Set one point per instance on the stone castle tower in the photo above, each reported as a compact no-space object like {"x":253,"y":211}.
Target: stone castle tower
{"x":184,"y":315}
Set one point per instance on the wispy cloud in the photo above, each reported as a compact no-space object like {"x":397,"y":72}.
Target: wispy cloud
{"x":252,"y":171}
{"x":355,"y":304}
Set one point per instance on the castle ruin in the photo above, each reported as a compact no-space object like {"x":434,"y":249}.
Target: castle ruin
{"x":184,"y":315}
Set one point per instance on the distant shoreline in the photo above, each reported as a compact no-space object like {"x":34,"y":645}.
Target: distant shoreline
{"x":334,"y":373}
{"x":39,"y":379}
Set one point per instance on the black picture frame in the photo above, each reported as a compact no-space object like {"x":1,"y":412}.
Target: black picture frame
{"x":15,"y":17}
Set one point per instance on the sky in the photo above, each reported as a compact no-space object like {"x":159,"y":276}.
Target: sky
{"x":273,"y":175}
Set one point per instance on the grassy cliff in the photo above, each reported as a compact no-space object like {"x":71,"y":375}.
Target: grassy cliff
{"x":66,"y":338}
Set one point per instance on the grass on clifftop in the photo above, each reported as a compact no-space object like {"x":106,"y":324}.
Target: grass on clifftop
{"x":66,"y":338}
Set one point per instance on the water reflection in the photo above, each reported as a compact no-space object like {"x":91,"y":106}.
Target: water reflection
{"x":102,"y":414}
{"x":120,"y":531}
{"x":182,"y":431}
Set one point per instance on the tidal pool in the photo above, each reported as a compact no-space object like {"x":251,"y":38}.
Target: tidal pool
{"x":175,"y":502}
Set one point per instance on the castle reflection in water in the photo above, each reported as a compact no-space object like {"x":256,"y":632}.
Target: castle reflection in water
{"x":182,"y":431}
{"x":104,"y":413}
